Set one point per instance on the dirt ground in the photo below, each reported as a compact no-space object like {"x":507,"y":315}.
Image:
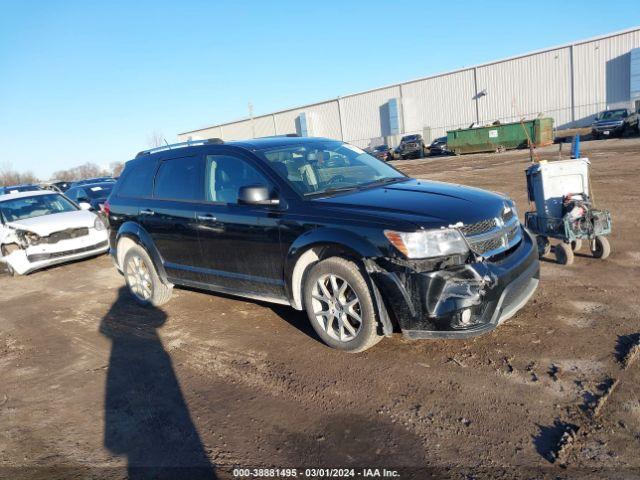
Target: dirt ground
{"x":93,"y":386}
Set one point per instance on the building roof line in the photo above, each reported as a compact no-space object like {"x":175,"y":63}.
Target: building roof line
{"x":420,"y":79}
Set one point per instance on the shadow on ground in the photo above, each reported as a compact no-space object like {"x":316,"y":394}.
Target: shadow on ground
{"x":146,"y":416}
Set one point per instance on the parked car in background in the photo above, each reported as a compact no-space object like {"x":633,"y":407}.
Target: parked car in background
{"x":610,"y":123}
{"x":93,"y":195}
{"x":87,"y":181}
{"x":44,"y":228}
{"x":411,"y":146}
{"x":439,"y":146}
{"x":382,"y":152}
{"x":633,"y":121}
{"x":363,"y":248}
{"x":62,"y":186}
{"x":19,"y":188}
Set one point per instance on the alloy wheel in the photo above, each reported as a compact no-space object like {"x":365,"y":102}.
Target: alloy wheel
{"x":336,"y":307}
{"x":139,"y":278}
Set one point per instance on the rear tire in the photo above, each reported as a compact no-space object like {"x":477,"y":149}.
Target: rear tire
{"x":564,"y":254}
{"x":601,"y":248}
{"x":576,"y":245}
{"x":143,"y":281}
{"x":336,"y":295}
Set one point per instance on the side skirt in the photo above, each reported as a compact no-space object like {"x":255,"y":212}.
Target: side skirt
{"x":227,"y":291}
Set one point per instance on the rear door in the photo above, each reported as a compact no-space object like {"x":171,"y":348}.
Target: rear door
{"x":240,"y":244}
{"x":170,"y":215}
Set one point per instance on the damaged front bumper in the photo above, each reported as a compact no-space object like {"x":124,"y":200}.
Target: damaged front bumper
{"x":458,"y":301}
{"x":25,"y":258}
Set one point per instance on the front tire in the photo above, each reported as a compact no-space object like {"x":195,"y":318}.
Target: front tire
{"x":339,"y":304}
{"x":143,"y":281}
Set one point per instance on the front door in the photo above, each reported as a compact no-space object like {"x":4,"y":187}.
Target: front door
{"x":240,"y":244}
{"x":170,"y":216}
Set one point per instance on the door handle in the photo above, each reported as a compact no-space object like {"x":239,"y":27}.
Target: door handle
{"x":207,"y":217}
{"x":147,"y":211}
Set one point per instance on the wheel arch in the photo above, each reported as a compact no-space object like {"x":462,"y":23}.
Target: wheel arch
{"x":130,"y":234}
{"x":312,"y":248}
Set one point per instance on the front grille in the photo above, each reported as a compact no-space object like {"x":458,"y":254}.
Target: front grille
{"x":493,"y":236}
{"x":68,"y":234}
{"x":485,"y":246}
{"x":478,"y":228}
{"x":38,"y":257}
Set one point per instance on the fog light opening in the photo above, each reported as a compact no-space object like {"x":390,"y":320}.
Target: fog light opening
{"x":464,"y":319}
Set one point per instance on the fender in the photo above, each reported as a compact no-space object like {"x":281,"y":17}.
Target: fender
{"x":323,"y":236}
{"x":140,"y":236}
{"x":345,"y":239}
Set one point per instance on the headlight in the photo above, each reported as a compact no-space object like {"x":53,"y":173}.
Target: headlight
{"x":99,"y":224}
{"x":428,"y":243}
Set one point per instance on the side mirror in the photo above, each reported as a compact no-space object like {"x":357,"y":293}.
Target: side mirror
{"x":84,"y":205}
{"x":256,"y":195}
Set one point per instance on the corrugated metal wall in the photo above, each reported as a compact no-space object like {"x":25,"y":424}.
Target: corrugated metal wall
{"x":569,"y":83}
{"x":601,"y":74}
{"x":323,"y":120}
{"x":440,"y":103}
{"x":527,"y":86}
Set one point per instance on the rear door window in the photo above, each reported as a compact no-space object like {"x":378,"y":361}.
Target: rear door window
{"x":180,"y":179}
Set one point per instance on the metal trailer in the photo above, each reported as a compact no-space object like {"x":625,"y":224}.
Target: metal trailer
{"x":553,"y":186}
{"x":501,"y":137}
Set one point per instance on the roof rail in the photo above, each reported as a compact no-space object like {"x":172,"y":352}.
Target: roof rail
{"x":188,"y":143}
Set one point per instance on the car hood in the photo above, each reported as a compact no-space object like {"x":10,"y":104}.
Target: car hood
{"x":48,"y":224}
{"x":425,"y":203}
{"x":607,"y":123}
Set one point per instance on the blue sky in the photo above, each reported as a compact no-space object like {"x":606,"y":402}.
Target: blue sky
{"x":92,"y":80}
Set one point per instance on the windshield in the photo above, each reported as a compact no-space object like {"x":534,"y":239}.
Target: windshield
{"x":410,"y":138}
{"x":613,"y":114}
{"x":381,"y":148}
{"x":322,"y":167}
{"x":37,"y":206}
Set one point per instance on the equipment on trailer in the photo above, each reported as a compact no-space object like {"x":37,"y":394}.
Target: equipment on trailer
{"x":564,"y":210}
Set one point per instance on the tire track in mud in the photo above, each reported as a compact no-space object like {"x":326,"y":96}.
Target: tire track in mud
{"x":557,"y":442}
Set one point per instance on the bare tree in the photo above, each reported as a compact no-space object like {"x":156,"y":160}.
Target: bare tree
{"x":156,"y":139}
{"x":87,"y":170}
{"x":116,"y":168}
{"x":9,"y":176}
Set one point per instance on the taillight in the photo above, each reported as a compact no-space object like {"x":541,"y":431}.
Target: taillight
{"x":106,"y":208}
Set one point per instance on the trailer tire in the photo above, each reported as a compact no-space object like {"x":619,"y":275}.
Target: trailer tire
{"x":564,"y":254}
{"x":600,"y":248}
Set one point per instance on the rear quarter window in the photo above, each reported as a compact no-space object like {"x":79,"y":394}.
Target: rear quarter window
{"x":180,"y":179}
{"x":137,"y":179}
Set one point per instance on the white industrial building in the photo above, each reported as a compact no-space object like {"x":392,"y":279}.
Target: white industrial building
{"x":570,"y":83}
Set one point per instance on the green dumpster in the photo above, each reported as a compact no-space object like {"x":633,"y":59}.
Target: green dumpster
{"x":504,"y":136}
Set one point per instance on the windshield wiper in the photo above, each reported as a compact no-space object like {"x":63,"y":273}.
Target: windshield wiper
{"x":382,"y":181}
{"x":331,"y":190}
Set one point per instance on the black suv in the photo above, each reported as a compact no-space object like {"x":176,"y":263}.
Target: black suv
{"x":322,"y":226}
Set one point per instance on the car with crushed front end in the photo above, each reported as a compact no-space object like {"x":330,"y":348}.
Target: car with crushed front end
{"x":322,"y":226}
{"x":411,"y":146}
{"x":39,"y":229}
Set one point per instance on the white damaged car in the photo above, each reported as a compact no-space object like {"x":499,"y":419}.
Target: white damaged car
{"x":44,"y":228}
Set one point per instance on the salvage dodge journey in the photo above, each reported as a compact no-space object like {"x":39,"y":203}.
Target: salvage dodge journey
{"x":322,"y":226}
